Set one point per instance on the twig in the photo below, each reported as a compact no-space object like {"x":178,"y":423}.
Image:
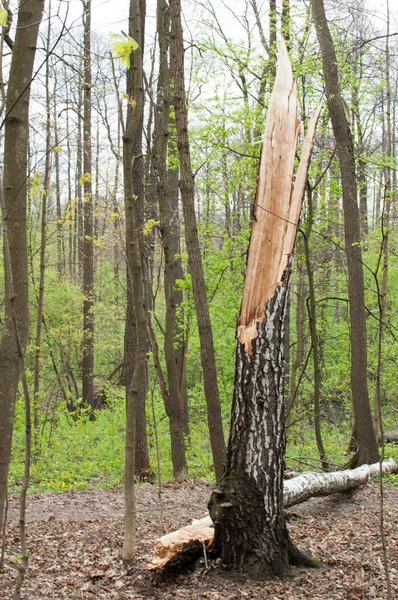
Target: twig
{"x":205,"y":556}
{"x":155,"y":429}
{"x":3,"y":534}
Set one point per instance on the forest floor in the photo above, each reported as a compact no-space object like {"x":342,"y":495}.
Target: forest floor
{"x":75,"y":539}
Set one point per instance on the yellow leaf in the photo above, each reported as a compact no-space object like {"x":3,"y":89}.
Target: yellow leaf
{"x":123,"y":48}
{"x":3,"y":16}
{"x":85,"y":178}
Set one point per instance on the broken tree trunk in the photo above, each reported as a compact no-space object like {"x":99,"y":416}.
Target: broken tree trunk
{"x":247,"y":506}
{"x":200,"y":533}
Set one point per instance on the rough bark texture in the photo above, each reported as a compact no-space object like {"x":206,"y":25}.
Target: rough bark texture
{"x":310,"y":485}
{"x":16,"y":129}
{"x":169,"y":227}
{"x":247,"y":505}
{"x":88,"y":239}
{"x":207,"y":352}
{"x":43,"y":250}
{"x":366,"y":440}
{"x":312,"y":321}
{"x":295,"y":491}
{"x":134,"y":213}
{"x":134,"y":197}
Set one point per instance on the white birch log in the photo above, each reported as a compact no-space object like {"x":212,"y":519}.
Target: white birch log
{"x":301,"y":488}
{"x":295,"y":491}
{"x":389,"y":436}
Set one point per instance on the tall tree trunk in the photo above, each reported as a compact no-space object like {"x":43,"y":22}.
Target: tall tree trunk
{"x":70,"y":208}
{"x":134,"y":199}
{"x":300,"y":340}
{"x":78,"y":226}
{"x":366,"y":440}
{"x":169,"y":225}
{"x":88,"y":242}
{"x":247,"y":505}
{"x":285,"y":22}
{"x":43,"y":250}
{"x":16,"y":131}
{"x":60,"y":231}
{"x":385,"y":224}
{"x":272,"y":42}
{"x":312,"y":319}
{"x":192,"y":240}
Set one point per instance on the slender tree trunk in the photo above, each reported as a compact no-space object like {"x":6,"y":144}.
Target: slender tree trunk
{"x":134,"y":199}
{"x":79,"y":233}
{"x":169,"y":225}
{"x":88,"y":242}
{"x":16,"y":129}
{"x":43,"y":249}
{"x":60,"y":231}
{"x":366,"y":440}
{"x":300,"y":340}
{"x":312,"y":318}
{"x":192,"y":240}
{"x":384,"y":250}
{"x":285,"y":22}
{"x":70,"y":208}
{"x":272,"y":42}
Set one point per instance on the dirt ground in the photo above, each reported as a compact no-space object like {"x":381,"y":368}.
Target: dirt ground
{"x":75,"y":540}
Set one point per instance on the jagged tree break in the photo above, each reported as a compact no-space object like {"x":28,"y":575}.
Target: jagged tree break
{"x":247,"y":505}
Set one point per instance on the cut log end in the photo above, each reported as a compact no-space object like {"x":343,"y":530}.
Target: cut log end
{"x":168,"y":546}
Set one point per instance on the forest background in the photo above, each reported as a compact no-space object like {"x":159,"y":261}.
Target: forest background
{"x":226,"y":54}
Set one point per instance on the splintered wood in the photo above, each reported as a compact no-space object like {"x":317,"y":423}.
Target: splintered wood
{"x":295,"y":491}
{"x":169,"y":545}
{"x":278,"y":200}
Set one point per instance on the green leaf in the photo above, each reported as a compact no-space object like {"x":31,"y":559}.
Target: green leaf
{"x":3,"y":16}
{"x":122,"y":47}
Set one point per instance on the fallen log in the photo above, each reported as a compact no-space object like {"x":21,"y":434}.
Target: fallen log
{"x":310,"y":485}
{"x":166,"y":547}
{"x":389,"y":436}
{"x":197,"y":537}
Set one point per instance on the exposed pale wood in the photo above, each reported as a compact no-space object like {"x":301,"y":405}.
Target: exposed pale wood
{"x":169,"y":545}
{"x":275,"y":220}
{"x":274,"y":186}
{"x":295,"y":491}
{"x":298,"y":189}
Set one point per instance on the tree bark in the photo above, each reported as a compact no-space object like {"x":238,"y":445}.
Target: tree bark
{"x":295,"y":491}
{"x":134,"y":214}
{"x":88,"y":240}
{"x":367,"y":445}
{"x":43,"y":250}
{"x":247,"y":505}
{"x":134,"y":198}
{"x":16,"y":130}
{"x":169,"y":226}
{"x":207,"y":352}
{"x":312,"y":321}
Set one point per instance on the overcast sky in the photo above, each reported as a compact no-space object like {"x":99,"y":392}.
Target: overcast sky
{"x":110,"y":16}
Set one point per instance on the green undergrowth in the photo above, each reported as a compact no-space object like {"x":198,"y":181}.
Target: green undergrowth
{"x":76,"y":453}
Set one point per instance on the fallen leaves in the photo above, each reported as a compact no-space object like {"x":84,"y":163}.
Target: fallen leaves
{"x":75,"y":540}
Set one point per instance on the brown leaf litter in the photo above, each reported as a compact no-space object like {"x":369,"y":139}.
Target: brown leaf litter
{"x":75,"y":540}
